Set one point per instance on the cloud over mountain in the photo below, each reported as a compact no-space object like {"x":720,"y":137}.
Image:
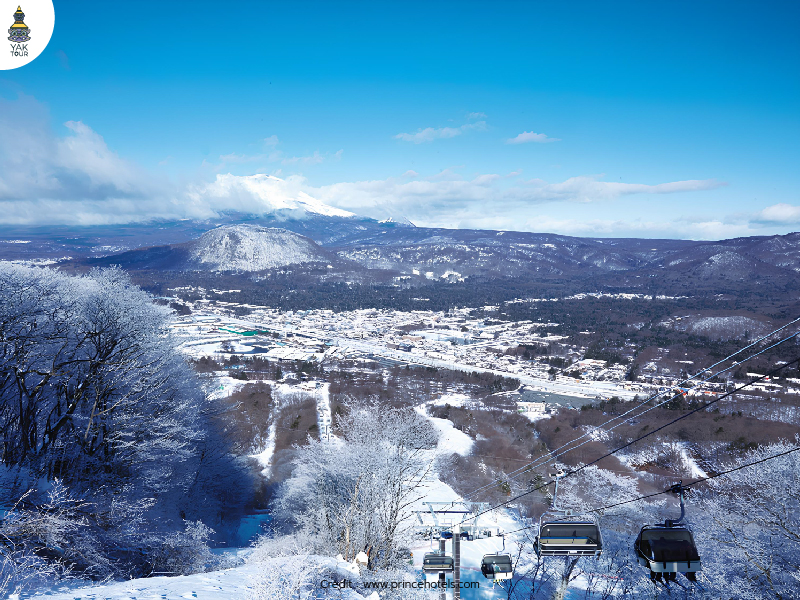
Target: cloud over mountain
{"x":74,"y":177}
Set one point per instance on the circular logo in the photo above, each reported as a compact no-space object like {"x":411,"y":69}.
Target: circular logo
{"x":28,"y":31}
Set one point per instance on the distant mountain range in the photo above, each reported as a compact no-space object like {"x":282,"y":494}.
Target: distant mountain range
{"x":244,"y":243}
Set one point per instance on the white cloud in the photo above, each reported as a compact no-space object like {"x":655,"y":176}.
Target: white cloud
{"x":234,"y":158}
{"x":476,"y":115}
{"x":780,"y":213}
{"x":530,"y":136}
{"x":447,"y":191}
{"x":686,"y":227}
{"x":429,"y":133}
{"x":75,"y":178}
{"x":448,"y":174}
{"x":487,"y":179}
{"x":271,"y":141}
{"x":256,"y":194}
{"x":590,"y":189}
{"x":276,"y":156}
{"x":314,"y":159}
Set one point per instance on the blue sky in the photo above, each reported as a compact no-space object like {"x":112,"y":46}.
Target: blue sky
{"x":635,"y":119}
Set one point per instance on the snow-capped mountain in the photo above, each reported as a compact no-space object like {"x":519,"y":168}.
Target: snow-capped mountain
{"x":260,"y":195}
{"x":252,"y":248}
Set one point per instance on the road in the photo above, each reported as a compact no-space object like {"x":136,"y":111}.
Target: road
{"x":589,"y":389}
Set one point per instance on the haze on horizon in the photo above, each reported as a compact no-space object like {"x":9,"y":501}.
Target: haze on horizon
{"x":590,"y":119}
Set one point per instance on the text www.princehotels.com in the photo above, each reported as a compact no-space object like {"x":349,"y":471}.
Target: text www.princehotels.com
{"x":400,"y":585}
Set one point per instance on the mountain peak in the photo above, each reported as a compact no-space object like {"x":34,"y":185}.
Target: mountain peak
{"x":253,"y":248}
{"x":263,"y":194}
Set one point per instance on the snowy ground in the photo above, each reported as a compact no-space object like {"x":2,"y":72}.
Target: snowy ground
{"x":216,"y":585}
{"x":238,"y":583}
{"x":451,"y":440}
{"x":264,"y":457}
{"x":283,"y":395}
{"x":324,"y":416}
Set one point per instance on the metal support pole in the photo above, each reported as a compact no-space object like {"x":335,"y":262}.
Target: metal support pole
{"x":442,"y":576}
{"x":456,"y":562}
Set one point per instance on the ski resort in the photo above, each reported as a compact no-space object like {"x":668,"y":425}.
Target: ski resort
{"x":400,"y":301}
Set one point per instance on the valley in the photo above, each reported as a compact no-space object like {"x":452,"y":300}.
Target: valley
{"x":520,"y":352}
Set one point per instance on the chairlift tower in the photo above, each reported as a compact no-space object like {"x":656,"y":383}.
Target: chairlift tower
{"x":434,"y":521}
{"x":436,"y":518}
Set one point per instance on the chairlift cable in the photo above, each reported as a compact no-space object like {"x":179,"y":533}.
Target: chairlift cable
{"x":648,"y":434}
{"x":702,"y":479}
{"x":669,"y":490}
{"x":540,"y":462}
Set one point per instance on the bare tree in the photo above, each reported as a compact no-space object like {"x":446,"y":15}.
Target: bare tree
{"x":751,"y":523}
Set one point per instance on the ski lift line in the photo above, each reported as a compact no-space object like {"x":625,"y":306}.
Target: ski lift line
{"x":612,"y":452}
{"x":537,"y":463}
{"x":670,"y":489}
{"x":525,"y":460}
{"x":702,"y":479}
{"x":543,"y":461}
{"x":572,"y":472}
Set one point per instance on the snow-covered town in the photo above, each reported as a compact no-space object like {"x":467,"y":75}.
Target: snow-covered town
{"x":452,"y":340}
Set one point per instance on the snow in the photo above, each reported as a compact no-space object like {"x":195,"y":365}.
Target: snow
{"x":264,"y":457}
{"x":472,"y":552}
{"x":228,"y":584}
{"x":253,"y":248}
{"x":691,"y":463}
{"x":726,"y":327}
{"x":453,"y":399}
{"x":265,"y":194}
{"x":225,"y":385}
{"x":535,"y":416}
{"x":451,"y":440}
{"x":324,"y":417}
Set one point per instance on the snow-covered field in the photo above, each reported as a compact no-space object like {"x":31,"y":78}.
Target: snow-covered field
{"x":228,"y":584}
{"x":251,"y":581}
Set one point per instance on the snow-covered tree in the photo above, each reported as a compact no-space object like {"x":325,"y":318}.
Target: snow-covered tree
{"x":356,"y":494}
{"x":94,"y":394}
{"x":750,"y":527}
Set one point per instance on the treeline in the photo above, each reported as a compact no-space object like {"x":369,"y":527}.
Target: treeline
{"x":113,"y":462}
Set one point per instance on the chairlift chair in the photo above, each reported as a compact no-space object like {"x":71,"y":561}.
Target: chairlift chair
{"x":497,"y":566}
{"x":561,"y":533}
{"x":668,"y":548}
{"x":434,"y":562}
{"x":567,"y":537}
